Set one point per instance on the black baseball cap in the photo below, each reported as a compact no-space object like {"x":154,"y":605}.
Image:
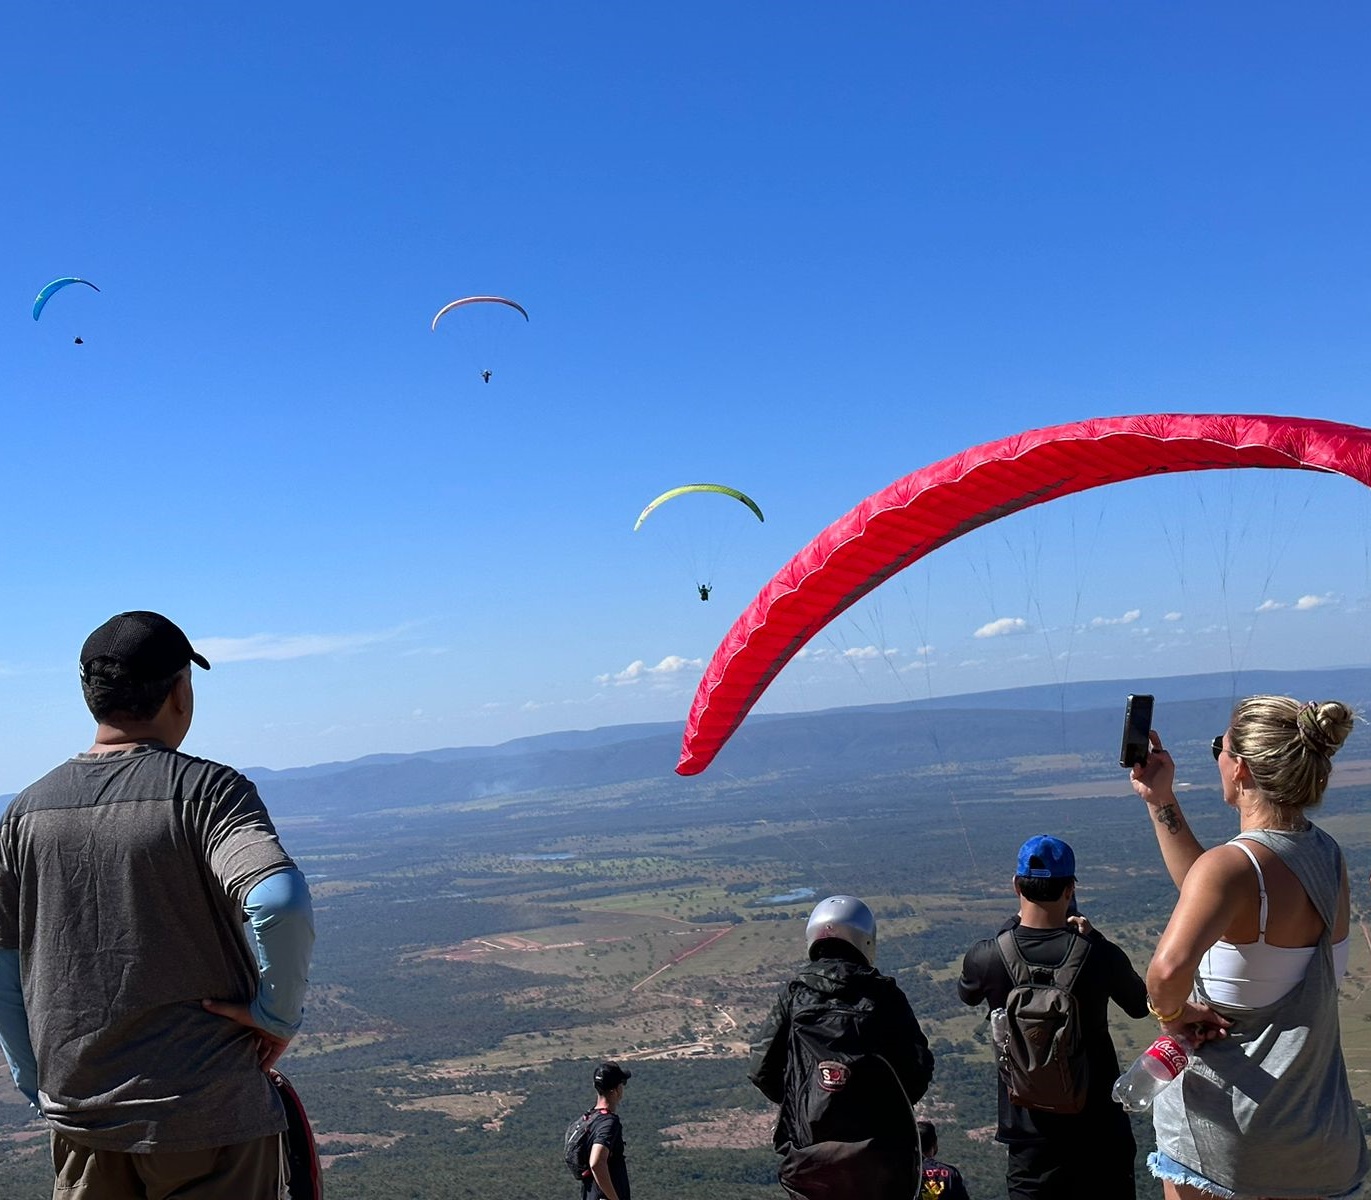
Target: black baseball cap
{"x":148,"y":646}
{"x":610,"y":1075}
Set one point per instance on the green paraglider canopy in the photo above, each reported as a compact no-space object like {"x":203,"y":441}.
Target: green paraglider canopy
{"x":698,"y":487}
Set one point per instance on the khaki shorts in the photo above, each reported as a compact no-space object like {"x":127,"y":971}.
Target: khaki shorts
{"x":245,"y":1171}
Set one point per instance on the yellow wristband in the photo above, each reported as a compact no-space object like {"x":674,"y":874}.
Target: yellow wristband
{"x":1165,"y":1018}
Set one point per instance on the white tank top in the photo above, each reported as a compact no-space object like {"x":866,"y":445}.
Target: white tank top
{"x":1255,"y":974}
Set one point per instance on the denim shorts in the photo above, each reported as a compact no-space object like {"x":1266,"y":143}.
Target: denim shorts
{"x":1163,"y":1166}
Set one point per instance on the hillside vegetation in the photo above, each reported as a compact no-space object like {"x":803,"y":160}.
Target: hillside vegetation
{"x":477,"y":954}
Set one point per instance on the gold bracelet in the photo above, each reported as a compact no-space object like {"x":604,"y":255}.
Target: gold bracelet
{"x":1165,"y":1018}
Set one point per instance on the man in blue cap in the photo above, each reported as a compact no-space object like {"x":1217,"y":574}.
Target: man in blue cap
{"x":1061,"y":1155}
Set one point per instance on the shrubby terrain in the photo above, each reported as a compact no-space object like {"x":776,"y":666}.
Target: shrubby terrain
{"x":492,"y":925}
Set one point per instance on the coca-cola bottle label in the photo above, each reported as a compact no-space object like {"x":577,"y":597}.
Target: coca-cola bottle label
{"x":1170,"y":1053}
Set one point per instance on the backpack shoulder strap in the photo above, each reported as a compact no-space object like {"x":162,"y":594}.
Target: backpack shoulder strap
{"x":1070,"y":967}
{"x":1020,"y":970}
{"x":1012,"y":957}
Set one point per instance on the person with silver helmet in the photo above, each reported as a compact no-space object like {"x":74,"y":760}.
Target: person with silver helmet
{"x":843,"y":1055}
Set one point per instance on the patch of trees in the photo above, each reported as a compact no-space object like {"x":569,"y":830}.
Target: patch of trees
{"x":717,"y":916}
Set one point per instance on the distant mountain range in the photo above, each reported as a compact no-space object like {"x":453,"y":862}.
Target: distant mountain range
{"x":842,"y":744}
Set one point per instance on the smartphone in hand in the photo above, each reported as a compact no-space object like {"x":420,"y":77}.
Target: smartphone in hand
{"x":1137,"y":724}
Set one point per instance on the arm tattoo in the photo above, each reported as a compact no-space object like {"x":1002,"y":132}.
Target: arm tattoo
{"x":1166,"y":815}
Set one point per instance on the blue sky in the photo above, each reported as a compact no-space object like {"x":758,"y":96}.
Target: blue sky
{"x":800,"y":249}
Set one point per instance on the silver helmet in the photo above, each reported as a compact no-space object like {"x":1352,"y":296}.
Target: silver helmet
{"x":847,"y":919}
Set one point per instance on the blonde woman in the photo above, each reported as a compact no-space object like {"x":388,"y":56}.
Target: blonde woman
{"x":1249,"y":966}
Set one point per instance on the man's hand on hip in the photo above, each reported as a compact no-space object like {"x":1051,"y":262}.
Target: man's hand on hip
{"x":269,"y":1048}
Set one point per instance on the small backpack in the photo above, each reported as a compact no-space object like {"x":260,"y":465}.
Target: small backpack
{"x":1043,"y":1064}
{"x":577,"y":1144}
{"x":301,"y":1152}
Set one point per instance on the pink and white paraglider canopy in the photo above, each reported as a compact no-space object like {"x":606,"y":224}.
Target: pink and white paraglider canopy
{"x":915,"y":515}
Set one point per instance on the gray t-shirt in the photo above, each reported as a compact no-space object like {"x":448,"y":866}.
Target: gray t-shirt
{"x":122,"y":880}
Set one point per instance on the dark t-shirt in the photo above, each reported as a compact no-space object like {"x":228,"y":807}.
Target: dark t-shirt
{"x":941,"y":1182}
{"x":607,"y":1130}
{"x":1107,"y":975}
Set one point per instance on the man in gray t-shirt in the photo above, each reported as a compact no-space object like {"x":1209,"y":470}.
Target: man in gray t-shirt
{"x":154,"y":943}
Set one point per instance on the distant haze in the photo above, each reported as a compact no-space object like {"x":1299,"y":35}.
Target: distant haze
{"x":1082,"y":720}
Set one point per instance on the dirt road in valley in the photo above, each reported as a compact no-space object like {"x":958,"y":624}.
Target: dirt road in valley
{"x":682,"y":956}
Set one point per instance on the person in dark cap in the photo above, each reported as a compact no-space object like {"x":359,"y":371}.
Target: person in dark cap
{"x":1060,"y":1155}
{"x":134,"y":1012}
{"x":843,"y":1055}
{"x":608,"y":1166}
{"x":941,"y":1181}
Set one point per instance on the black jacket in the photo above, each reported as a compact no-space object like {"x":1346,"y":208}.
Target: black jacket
{"x":860,"y":1008}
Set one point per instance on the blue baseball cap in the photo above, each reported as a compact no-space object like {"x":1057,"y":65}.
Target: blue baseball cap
{"x":1044,"y":857}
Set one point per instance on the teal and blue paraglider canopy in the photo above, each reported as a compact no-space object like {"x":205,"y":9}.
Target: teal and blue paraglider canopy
{"x":53,"y":288}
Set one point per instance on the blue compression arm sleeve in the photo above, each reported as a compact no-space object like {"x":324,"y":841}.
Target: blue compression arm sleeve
{"x":282,"y":922}
{"x":14,"y":1028}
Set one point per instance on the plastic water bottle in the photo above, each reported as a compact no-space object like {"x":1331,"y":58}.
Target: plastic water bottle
{"x":999,"y":1033}
{"x":1151,"y":1071}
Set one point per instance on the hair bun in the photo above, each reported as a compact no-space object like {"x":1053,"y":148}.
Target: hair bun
{"x":1323,"y":726}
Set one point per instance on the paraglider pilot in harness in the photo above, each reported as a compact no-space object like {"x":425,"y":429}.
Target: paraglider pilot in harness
{"x":705,"y":589}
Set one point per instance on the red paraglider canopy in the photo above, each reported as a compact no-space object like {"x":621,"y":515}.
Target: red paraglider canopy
{"x":915,"y":515}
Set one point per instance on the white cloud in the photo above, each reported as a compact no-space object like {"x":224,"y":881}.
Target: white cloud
{"x":865,"y":652}
{"x":274,"y":647}
{"x":1173,"y":616}
{"x":638,"y":670}
{"x":674,"y":662}
{"x":1303,"y":604}
{"x":1004,"y":627}
{"x":1127,"y":619}
{"x":532,"y":706}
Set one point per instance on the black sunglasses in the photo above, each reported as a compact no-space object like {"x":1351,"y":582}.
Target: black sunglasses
{"x":1217,"y":746}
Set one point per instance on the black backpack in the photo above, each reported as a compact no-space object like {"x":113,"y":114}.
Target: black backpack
{"x":841,"y":1091}
{"x":1043,"y":1065}
{"x":576,"y":1150}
